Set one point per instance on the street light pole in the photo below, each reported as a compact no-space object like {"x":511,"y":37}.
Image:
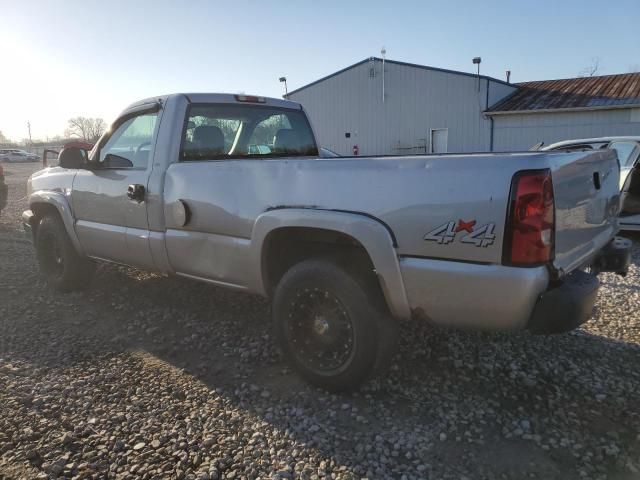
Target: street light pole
{"x":284,"y":80}
{"x":477,"y":61}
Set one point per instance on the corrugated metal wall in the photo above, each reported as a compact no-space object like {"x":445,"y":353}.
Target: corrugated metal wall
{"x":520,"y":132}
{"x":416,"y":101}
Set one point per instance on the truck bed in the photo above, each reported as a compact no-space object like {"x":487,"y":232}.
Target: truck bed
{"x":412,"y":196}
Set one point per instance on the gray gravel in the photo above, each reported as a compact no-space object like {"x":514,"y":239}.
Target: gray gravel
{"x":151,"y":377}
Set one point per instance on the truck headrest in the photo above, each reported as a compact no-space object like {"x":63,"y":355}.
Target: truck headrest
{"x":209,"y":138}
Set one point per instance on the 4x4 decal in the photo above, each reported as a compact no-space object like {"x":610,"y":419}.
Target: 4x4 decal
{"x":483,"y":236}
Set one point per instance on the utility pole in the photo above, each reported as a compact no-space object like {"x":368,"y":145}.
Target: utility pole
{"x":29,"y":128}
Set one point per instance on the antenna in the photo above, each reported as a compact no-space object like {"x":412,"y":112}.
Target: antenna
{"x":383,"y":52}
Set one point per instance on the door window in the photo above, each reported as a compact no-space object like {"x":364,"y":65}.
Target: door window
{"x":130,"y":144}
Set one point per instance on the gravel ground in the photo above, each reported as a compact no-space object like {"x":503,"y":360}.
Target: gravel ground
{"x":151,"y":377}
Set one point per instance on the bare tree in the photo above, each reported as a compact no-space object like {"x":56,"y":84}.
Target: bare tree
{"x":98,"y":128}
{"x":592,"y":69}
{"x":88,"y":129}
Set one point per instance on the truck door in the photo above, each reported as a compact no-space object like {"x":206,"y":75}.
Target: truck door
{"x":109,"y":199}
{"x":628,"y":153}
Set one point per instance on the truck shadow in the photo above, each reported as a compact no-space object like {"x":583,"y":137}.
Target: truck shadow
{"x":505,"y":390}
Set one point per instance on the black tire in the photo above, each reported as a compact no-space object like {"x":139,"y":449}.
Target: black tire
{"x":58,"y":260}
{"x":330,"y":326}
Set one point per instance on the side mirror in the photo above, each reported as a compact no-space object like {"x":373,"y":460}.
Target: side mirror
{"x":116,"y":161}
{"x":73,"y":157}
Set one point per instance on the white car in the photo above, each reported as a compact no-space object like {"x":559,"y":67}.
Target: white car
{"x":14,"y":155}
{"x":628,"y":150}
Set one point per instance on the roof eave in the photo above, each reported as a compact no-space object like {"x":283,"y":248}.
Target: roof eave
{"x":554,"y":110}
{"x":404,"y":64}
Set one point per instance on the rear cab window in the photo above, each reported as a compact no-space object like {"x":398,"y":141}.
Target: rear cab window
{"x":235,"y":131}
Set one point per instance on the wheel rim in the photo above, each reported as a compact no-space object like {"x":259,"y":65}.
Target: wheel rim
{"x":52,"y":258}
{"x":320,"y":331}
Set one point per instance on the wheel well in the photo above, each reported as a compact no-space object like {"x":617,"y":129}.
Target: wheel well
{"x":40,"y":210}
{"x":287,"y":246}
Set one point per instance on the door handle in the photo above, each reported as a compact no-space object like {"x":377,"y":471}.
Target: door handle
{"x":136,"y":192}
{"x":596,"y":180}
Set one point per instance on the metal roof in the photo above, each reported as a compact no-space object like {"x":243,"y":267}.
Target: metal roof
{"x":404,"y":64}
{"x":607,"y":91}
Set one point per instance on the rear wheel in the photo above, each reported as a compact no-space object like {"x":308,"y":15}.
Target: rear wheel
{"x":329,"y":327}
{"x":58,"y":260}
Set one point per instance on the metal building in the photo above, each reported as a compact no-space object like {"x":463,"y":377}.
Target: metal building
{"x":402,"y":109}
{"x":405,"y":108}
{"x":554,"y":110}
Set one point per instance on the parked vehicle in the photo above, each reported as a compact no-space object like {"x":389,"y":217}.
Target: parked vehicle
{"x":4,"y":190}
{"x":344,"y":247}
{"x":628,"y":151}
{"x":16,"y":156}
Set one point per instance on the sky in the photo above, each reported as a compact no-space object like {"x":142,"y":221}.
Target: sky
{"x":89,"y":58}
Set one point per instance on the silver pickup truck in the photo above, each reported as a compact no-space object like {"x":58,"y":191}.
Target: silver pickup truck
{"x":231,"y":190}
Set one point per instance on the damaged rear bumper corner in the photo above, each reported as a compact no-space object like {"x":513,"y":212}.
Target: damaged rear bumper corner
{"x":566,"y":306}
{"x":570,"y":304}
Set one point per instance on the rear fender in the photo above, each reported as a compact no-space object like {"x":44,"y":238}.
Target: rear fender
{"x":61,"y":205}
{"x":371,"y":233}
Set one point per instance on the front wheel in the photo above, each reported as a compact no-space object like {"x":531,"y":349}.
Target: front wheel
{"x":328,"y":326}
{"x":58,"y":260}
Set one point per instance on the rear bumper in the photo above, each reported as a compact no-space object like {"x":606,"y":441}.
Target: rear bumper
{"x":472,"y":296}
{"x":496,"y":297}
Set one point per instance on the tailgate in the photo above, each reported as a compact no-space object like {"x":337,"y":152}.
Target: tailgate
{"x":587,"y":199}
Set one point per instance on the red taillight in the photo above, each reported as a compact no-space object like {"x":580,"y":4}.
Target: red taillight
{"x":530,"y":230}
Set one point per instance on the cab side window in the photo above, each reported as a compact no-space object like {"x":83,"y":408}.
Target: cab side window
{"x":130,"y":144}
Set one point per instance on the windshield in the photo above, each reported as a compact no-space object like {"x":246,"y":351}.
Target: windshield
{"x":224,"y":131}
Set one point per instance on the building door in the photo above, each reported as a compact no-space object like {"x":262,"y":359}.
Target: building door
{"x":439,"y":137}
